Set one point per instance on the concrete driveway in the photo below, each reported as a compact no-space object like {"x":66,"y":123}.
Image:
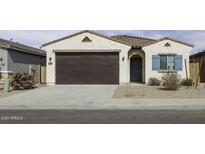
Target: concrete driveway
{"x":59,"y":96}
{"x":91,"y":97}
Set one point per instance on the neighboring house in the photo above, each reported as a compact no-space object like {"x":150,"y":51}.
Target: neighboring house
{"x":91,"y":58}
{"x":199,"y":68}
{"x":16,"y":57}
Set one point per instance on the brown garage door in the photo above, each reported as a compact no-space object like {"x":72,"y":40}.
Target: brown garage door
{"x":87,"y":68}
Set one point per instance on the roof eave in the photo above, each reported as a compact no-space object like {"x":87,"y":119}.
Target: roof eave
{"x":3,"y":46}
{"x":13,"y":46}
{"x":188,"y":44}
{"x":85,"y":31}
{"x":202,"y":53}
{"x":26,"y":51}
{"x":168,"y":38}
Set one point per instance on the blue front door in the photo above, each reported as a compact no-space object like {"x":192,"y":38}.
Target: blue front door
{"x":136,"y":69}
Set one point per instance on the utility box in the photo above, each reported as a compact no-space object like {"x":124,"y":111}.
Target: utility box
{"x":6,"y":85}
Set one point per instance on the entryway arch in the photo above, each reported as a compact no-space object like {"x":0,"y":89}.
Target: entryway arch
{"x":136,"y":65}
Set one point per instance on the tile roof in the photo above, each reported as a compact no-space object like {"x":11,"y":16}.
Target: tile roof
{"x":175,"y":40}
{"x":134,"y":41}
{"x":21,"y":47}
{"x":85,"y":31}
{"x":141,"y":41}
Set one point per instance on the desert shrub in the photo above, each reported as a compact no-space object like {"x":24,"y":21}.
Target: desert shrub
{"x":186,"y":82}
{"x":171,"y":81}
{"x":22,"y":81}
{"x":154,"y":82}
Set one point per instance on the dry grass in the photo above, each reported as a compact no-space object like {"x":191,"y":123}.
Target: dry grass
{"x":157,"y":92}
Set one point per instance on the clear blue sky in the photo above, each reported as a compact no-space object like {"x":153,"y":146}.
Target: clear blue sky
{"x":36,"y":38}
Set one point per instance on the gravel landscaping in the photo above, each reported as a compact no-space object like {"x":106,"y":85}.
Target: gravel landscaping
{"x":145,"y":91}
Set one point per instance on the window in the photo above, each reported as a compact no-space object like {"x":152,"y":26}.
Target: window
{"x":171,"y":62}
{"x":167,"y":62}
{"x":163,"y":62}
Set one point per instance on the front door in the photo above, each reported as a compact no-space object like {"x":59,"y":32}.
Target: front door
{"x":136,"y":69}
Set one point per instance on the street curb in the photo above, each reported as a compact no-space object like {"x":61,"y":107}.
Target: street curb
{"x":106,"y":107}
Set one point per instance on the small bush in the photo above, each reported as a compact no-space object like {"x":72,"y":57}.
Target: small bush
{"x":154,"y":82}
{"x":187,"y":82}
{"x":22,"y":81}
{"x":171,"y":81}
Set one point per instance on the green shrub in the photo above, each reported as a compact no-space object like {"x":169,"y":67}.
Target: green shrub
{"x":154,"y":82}
{"x":187,"y":82}
{"x":171,"y":81}
{"x":22,"y":81}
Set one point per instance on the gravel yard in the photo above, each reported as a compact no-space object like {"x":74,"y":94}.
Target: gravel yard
{"x":145,"y":91}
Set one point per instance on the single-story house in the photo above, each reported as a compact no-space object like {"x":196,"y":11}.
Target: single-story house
{"x":88,"y":57}
{"x":19,"y":58}
{"x":199,"y":70}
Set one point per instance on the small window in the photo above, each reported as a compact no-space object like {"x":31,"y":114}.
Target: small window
{"x":171,"y":62}
{"x":163,"y":62}
{"x":167,"y":62}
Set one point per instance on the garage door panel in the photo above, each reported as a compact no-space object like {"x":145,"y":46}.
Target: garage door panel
{"x":87,"y":68}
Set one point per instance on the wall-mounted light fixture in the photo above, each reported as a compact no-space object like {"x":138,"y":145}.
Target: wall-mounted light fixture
{"x":1,"y":59}
{"x":50,"y":62}
{"x":123,"y":58}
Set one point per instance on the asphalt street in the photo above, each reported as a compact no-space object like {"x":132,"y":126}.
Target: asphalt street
{"x":102,"y":117}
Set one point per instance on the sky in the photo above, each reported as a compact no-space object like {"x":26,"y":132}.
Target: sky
{"x":36,"y":38}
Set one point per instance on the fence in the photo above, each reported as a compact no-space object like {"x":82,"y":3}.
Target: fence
{"x":194,"y":71}
{"x":41,"y":74}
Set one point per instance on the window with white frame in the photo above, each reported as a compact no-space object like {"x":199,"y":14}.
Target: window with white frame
{"x":167,"y":62}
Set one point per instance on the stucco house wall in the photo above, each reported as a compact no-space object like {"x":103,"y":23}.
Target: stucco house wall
{"x":159,"y":48}
{"x":16,"y":57}
{"x":4,"y":59}
{"x":24,"y":62}
{"x":98,"y":44}
{"x":102,"y":44}
{"x":13,"y":61}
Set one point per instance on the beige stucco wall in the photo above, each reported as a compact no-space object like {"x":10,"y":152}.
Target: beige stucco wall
{"x":98,"y":44}
{"x":159,"y":48}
